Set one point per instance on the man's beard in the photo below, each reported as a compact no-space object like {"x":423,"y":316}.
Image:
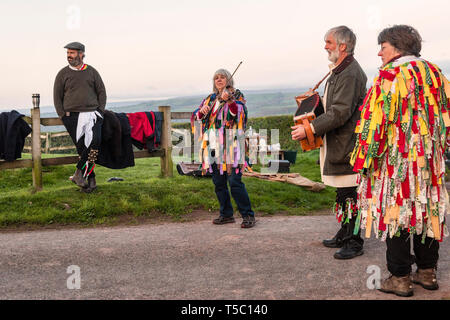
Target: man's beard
{"x":333,"y":56}
{"x":75,"y":61}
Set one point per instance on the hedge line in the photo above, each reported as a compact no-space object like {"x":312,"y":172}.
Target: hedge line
{"x":282,"y":123}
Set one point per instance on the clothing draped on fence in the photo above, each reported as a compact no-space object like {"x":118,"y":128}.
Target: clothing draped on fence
{"x":13,"y":131}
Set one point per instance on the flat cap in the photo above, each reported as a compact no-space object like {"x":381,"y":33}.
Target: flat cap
{"x":75,"y":46}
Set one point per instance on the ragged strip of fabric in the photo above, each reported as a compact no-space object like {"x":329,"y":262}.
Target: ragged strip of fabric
{"x":86,"y":121}
{"x":87,"y":169}
{"x":222,"y":135}
{"x":346,"y":211}
{"x":399,"y":151}
{"x":89,"y":165}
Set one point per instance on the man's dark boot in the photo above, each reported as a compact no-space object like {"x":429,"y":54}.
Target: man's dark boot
{"x":349,"y":250}
{"x":92,"y":185}
{"x":78,"y":179}
{"x":352,"y":244}
{"x":336,"y":241}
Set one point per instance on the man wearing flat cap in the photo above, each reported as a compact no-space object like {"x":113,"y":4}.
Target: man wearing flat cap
{"x":80,"y":98}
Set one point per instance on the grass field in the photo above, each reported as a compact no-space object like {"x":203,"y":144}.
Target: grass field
{"x":143,"y":193}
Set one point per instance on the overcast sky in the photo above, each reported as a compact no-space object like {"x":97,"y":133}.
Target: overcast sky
{"x":155,"y":48}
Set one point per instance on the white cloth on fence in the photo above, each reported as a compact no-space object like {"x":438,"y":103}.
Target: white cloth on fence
{"x":86,"y":121}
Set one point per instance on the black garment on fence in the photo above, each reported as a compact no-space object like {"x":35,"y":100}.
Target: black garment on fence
{"x":116,"y":149}
{"x":13,"y":131}
{"x":399,"y":258}
{"x":71,"y":123}
{"x":152,"y":142}
{"x":159,"y":117}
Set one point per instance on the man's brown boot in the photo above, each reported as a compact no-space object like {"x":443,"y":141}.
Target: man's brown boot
{"x":78,"y":179}
{"x":426,"y":278}
{"x":401,"y":286}
{"x":92,"y":185}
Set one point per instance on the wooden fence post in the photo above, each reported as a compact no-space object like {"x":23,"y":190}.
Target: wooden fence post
{"x":36,"y":148}
{"x":166,"y":142}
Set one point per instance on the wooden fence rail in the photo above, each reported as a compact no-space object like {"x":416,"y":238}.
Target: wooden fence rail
{"x":36,"y":162}
{"x":47,"y":137}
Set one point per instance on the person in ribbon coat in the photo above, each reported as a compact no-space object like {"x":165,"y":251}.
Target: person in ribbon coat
{"x":221,"y":135}
{"x":399,"y":155}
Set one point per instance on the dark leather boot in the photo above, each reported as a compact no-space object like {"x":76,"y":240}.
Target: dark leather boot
{"x":349,"y":250}
{"x":352,"y":244}
{"x":78,"y":179}
{"x":336,"y":241}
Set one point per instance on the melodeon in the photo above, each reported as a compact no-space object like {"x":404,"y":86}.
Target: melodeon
{"x":309,"y":108}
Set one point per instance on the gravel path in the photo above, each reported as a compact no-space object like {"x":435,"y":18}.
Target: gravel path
{"x":281,"y":258}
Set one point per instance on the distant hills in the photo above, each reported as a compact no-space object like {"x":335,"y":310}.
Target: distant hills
{"x":259,"y":103}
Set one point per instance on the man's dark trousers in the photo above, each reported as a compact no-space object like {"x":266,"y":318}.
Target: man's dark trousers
{"x":71,"y":122}
{"x":398,"y":253}
{"x":343,"y":195}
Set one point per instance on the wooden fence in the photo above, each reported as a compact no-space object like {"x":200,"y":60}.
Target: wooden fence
{"x":47,"y":137}
{"x":36,"y":162}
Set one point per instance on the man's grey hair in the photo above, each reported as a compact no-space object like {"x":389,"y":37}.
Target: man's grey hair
{"x":225,"y":73}
{"x":343,"y":34}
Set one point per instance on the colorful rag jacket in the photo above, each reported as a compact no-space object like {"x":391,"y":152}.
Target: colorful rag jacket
{"x":221,"y":134}
{"x":399,"y":152}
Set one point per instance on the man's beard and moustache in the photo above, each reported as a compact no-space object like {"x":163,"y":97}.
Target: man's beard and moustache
{"x":74,"y":62}
{"x":333,"y":56}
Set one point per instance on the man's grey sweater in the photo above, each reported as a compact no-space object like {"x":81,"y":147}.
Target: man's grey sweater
{"x":78,"y":91}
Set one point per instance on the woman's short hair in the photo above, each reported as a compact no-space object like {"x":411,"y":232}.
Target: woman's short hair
{"x":345,"y":35}
{"x":404,"y":38}
{"x":225,"y":73}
